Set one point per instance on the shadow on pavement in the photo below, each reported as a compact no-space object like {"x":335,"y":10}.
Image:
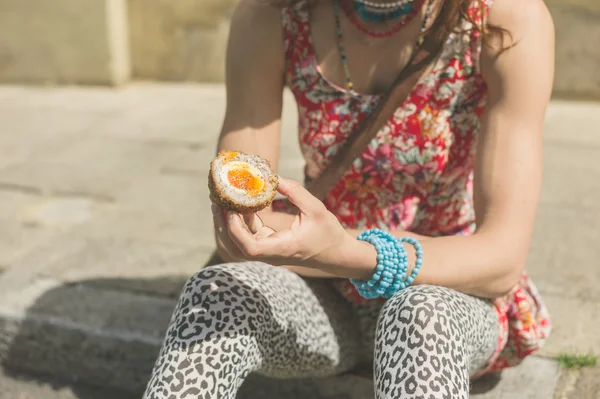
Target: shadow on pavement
{"x":106,"y":333}
{"x":24,"y":385}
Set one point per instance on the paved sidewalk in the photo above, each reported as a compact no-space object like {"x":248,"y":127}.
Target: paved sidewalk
{"x":104,"y":214}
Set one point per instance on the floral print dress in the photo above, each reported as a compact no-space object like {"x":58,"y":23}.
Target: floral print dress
{"x":417,"y":174}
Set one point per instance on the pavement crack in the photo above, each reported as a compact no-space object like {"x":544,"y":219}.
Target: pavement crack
{"x":190,"y":145}
{"x":180,"y":172}
{"x":32,"y":190}
{"x":21,"y":188}
{"x":92,"y":196}
{"x":566,"y":383}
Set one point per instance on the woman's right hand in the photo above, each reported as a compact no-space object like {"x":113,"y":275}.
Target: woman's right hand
{"x":229,"y":252}
{"x":226,"y":248}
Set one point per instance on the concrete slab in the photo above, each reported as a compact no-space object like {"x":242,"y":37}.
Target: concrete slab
{"x":63,"y":179}
{"x":184,"y":116}
{"x":19,"y":385}
{"x":536,"y":378}
{"x":79,"y":306}
{"x":571,"y":174}
{"x":572,"y":122}
{"x":13,"y":200}
{"x":177,"y":202}
{"x":564,"y":255}
{"x":566,"y":383}
{"x":16,"y":240}
{"x":587,"y":384}
{"x":136,"y":224}
{"x":578,"y":383}
{"x":576,"y":324}
{"x":139,"y":224}
{"x":110,"y":153}
{"x":105,"y":338}
{"x":92,"y":166}
{"x":108,"y":262}
{"x":59,"y":212}
{"x":25,"y":134}
{"x":96,"y":181}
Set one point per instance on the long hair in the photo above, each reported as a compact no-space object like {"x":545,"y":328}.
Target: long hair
{"x":453,"y":11}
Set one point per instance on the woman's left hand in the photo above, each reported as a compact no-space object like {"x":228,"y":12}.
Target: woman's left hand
{"x":315,"y":239}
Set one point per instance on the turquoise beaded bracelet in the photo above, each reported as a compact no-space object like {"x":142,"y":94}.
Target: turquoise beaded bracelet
{"x":392,"y":265}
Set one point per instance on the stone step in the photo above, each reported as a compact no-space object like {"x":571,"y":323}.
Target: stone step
{"x":88,"y":334}
{"x":16,"y":384}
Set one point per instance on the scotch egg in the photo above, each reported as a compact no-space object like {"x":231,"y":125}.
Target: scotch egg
{"x":241,"y":183}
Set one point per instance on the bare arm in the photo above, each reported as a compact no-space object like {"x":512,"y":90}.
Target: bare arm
{"x":508,"y":168}
{"x":254,"y":81}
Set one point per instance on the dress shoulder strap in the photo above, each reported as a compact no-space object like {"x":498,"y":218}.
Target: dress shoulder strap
{"x":296,"y":31}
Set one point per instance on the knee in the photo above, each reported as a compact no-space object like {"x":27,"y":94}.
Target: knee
{"x":425,"y":310}
{"x":215,"y":276}
{"x":220,"y":300}
{"x":221,"y":284}
{"x":419,"y":339}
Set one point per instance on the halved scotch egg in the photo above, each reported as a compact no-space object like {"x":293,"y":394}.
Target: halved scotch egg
{"x":241,"y":183}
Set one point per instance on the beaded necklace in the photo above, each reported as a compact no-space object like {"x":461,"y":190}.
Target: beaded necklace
{"x":395,"y":4}
{"x":405,"y":20}
{"x":340,"y":40}
{"x":367,"y":11}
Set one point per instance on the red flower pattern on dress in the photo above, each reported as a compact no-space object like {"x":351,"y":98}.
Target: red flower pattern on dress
{"x":417,"y":173}
{"x":380,"y":162}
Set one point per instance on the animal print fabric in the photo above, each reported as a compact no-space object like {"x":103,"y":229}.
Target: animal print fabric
{"x":234,"y":319}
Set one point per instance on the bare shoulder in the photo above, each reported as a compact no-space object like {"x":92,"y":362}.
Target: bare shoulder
{"x":519,"y":70}
{"x":523,"y":56}
{"x":255,"y":31}
{"x":522,"y":19}
{"x":259,"y":14}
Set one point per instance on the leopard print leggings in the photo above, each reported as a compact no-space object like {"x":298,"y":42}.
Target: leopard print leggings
{"x":234,"y":319}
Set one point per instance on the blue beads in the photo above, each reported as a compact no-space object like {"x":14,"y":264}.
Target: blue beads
{"x":392,"y":265}
{"x":370,"y":14}
{"x":419,"y":252}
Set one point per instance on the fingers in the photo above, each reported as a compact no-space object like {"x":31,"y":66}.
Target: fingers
{"x":247,"y":238}
{"x":240,"y":236}
{"x":299,"y":196}
{"x":266,"y":244}
{"x":254,"y":222}
{"x":222,"y":233}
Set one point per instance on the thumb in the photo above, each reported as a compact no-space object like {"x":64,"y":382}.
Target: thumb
{"x":299,"y":196}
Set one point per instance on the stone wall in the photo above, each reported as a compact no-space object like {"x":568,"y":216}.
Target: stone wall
{"x":577,"y":25}
{"x":109,"y":41}
{"x":64,"y":41}
{"x":179,"y":40}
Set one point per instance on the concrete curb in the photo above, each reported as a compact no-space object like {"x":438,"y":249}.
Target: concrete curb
{"x":111,"y":339}
{"x":83,"y":334}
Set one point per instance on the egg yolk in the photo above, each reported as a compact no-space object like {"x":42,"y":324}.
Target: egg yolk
{"x":228,"y":156}
{"x":244,"y":180}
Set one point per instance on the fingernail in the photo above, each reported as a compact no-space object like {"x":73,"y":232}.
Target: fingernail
{"x":214,"y":209}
